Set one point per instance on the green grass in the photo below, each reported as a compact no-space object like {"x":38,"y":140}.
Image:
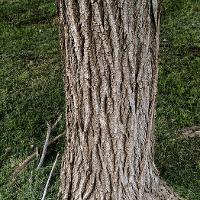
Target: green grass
{"x":179,"y":97}
{"x":31,"y":93}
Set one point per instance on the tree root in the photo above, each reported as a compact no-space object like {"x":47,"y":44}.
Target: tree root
{"x":166,"y":193}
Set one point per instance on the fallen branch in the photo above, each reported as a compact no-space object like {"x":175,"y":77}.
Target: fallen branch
{"x":191,"y":131}
{"x":49,"y":178}
{"x":49,"y":129}
{"x":56,"y":138}
{"x":22,"y":166}
{"x":55,"y":124}
{"x":45,"y":147}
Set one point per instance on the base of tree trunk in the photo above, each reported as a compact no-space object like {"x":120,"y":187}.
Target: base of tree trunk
{"x":164,"y":193}
{"x":99,"y":184}
{"x":167,"y":193}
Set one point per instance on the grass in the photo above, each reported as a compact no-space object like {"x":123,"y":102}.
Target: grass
{"x":31,"y":92}
{"x":179,"y":97}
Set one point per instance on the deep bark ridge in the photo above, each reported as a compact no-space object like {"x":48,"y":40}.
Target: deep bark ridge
{"x":110,"y":50}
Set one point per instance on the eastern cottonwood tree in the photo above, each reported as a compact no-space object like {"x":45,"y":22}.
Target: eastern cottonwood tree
{"x":110,"y":50}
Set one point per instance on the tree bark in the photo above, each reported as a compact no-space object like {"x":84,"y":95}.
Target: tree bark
{"x":110,"y":50}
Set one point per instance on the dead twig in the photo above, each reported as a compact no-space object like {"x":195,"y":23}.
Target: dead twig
{"x":49,"y":178}
{"x":56,"y":122}
{"x":56,"y":138}
{"x":45,"y":147}
{"x":49,"y":130}
{"x":22,"y":166}
{"x":191,"y":132}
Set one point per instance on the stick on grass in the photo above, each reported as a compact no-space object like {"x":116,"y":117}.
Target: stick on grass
{"x":45,"y":146}
{"x":49,"y":178}
{"x":49,"y":130}
{"x":22,"y":166}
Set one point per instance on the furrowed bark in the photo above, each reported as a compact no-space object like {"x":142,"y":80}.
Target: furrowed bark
{"x":110,"y":50}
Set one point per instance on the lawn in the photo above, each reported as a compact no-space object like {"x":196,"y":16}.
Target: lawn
{"x":31,"y":93}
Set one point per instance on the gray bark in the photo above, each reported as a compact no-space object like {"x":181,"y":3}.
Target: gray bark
{"x":110,"y":50}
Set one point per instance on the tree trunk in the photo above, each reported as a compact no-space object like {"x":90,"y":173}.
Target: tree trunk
{"x":110,"y":50}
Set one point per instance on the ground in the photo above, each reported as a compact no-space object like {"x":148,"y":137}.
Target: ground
{"x":31,"y":93}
